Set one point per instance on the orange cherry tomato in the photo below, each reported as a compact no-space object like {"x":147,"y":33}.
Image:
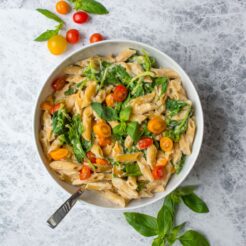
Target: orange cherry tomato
{"x":55,"y":108}
{"x":91,"y":156}
{"x":145,"y":142}
{"x":120,"y":93}
{"x":57,"y":45}
{"x":159,"y":172}
{"x":62,"y":7}
{"x":163,"y":162}
{"x":109,"y":100}
{"x":59,"y":154}
{"x":46,"y":106}
{"x":166,"y":144}
{"x":58,"y":84}
{"x":156,"y":125}
{"x":72,"y":36}
{"x":96,"y":37}
{"x":102,"y":129}
{"x":85,"y":173}
{"x":103,"y":142}
{"x":100,"y":161}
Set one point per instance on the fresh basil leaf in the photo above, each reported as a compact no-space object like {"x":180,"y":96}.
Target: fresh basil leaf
{"x":117,"y":74}
{"x":133,"y":131}
{"x":104,"y":112}
{"x":46,"y":35}
{"x":172,"y":236}
{"x":133,"y":170}
{"x":158,"y":242}
{"x":144,"y":224}
{"x":50,"y":15}
{"x":91,"y":6}
{"x":193,"y":238}
{"x":179,"y":164}
{"x":174,"y":106}
{"x":195,"y":203}
{"x":70,"y":91}
{"x":125,"y":113}
{"x":185,"y":190}
{"x":164,"y":220}
{"x":163,"y":81}
{"x":120,"y":130}
{"x":59,"y":120}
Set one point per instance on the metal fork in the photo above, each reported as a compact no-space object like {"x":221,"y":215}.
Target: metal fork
{"x":63,"y":210}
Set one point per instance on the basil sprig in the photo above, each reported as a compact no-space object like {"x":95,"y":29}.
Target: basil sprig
{"x":49,"y":33}
{"x":90,"y":6}
{"x":163,"y":226}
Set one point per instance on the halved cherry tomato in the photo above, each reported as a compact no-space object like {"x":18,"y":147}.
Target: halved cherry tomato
{"x":57,"y":45}
{"x":156,"y":125}
{"x":55,"y":108}
{"x":46,"y":106}
{"x":91,"y":156}
{"x":109,"y":100}
{"x":120,"y":93}
{"x":85,"y":173}
{"x":96,"y":37}
{"x":58,"y":84}
{"x":101,"y":161}
{"x":166,"y":144}
{"x":159,"y":172}
{"x":72,"y":36}
{"x":145,"y":142}
{"x":80,"y":17}
{"x":103,"y":142}
{"x":102,"y":129}
{"x":163,"y":162}
{"x":62,"y":7}
{"x":59,"y":154}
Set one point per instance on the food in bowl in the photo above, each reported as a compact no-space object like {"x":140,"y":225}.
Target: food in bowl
{"x":118,"y":125}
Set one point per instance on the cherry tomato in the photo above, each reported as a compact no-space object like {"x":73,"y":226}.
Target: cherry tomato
{"x":100,"y":161}
{"x":62,"y":7}
{"x":80,"y":17}
{"x":145,"y":142}
{"x":96,"y":37}
{"x":85,"y":173}
{"x":109,"y":100}
{"x":57,"y":45}
{"x":120,"y":93}
{"x":55,"y":108}
{"x":91,"y":157}
{"x":46,"y":106}
{"x":72,"y":36}
{"x":58,"y":84}
{"x":159,"y":172}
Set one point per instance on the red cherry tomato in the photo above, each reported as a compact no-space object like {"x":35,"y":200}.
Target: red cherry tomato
{"x":72,"y":36}
{"x":58,"y":84}
{"x":120,"y":93}
{"x":55,"y":108}
{"x":159,"y":172}
{"x":145,"y":142}
{"x":96,"y":37}
{"x":91,"y":157}
{"x":85,"y":173}
{"x":80,"y":17}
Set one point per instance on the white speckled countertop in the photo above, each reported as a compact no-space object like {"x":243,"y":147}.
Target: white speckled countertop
{"x":207,"y":38}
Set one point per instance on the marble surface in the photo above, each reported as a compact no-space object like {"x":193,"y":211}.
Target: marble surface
{"x":206,"y":37}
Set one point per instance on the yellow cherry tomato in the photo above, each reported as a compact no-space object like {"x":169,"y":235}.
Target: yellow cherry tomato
{"x":156,"y":125}
{"x":62,"y":7}
{"x":57,"y":44}
{"x":59,"y":154}
{"x":102,"y":129}
{"x":166,"y":144}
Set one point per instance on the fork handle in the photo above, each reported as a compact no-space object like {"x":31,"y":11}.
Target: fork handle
{"x":63,"y":210}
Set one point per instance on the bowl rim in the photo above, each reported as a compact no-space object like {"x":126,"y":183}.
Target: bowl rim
{"x":198,"y":103}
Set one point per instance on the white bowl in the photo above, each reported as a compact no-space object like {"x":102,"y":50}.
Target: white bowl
{"x":114,"y":47}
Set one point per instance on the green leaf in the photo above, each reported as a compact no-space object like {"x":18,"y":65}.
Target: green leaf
{"x":46,"y":35}
{"x":174,"y":106}
{"x":91,"y":6}
{"x":125,"y":113}
{"x":172,"y":237}
{"x":186,"y":190}
{"x":147,"y":62}
{"x":59,"y":120}
{"x":144,"y":224}
{"x":193,"y":238}
{"x":50,"y":15}
{"x":158,"y":242}
{"x":164,"y":220}
{"x":195,"y":203}
{"x":133,"y":170}
{"x":120,"y":130}
{"x":104,"y":112}
{"x":179,"y":164}
{"x":70,"y":91}
{"x":133,"y":131}
{"x":163,"y":81}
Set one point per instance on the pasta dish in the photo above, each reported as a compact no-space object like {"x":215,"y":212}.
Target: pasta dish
{"x":119,"y":125}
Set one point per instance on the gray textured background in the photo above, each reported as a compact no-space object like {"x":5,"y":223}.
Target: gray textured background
{"x":206,"y":37}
